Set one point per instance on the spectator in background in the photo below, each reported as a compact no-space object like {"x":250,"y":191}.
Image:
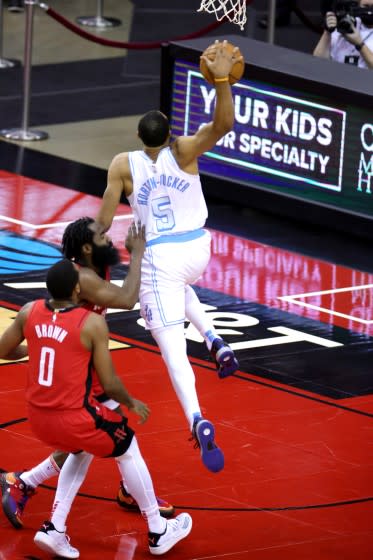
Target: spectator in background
{"x":349,"y":48}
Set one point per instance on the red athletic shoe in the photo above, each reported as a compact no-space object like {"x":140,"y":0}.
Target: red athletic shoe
{"x":125,"y":500}
{"x":15,"y":495}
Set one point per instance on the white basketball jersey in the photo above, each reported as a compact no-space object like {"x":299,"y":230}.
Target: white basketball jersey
{"x":167,"y":200}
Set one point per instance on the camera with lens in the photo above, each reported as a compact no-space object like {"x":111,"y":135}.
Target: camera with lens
{"x":347,"y":11}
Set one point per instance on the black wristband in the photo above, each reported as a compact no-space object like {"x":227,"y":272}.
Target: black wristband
{"x":360,"y":46}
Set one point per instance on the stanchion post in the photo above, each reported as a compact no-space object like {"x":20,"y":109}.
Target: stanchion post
{"x":23,"y":133}
{"x":271,"y":22}
{"x":5,"y":62}
{"x":99,"y":20}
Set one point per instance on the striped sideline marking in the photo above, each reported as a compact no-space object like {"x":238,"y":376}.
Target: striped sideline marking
{"x":42,"y":285}
{"x":293,"y":299}
{"x":54,"y":224}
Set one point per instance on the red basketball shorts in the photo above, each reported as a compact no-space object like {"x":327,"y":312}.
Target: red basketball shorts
{"x":95,"y":429}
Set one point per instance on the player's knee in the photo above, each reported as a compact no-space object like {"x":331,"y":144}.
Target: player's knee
{"x":59,"y":457}
{"x":132,"y":452}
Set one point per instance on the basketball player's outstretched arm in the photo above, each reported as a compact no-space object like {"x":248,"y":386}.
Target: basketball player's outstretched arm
{"x":118,"y":174}
{"x":187,"y":148}
{"x":10,"y":341}
{"x":105,"y":294}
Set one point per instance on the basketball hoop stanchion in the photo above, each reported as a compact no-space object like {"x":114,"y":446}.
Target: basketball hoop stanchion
{"x":4,"y":62}
{"x":98,"y":20}
{"x":271,"y":22}
{"x":23,"y":133}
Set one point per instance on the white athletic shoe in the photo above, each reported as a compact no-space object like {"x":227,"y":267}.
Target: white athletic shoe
{"x":55,"y":542}
{"x":176,"y":529}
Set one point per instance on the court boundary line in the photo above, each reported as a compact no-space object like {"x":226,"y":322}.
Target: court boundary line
{"x":266,"y":509}
{"x":293,"y":299}
{"x":242,"y":375}
{"x":245,"y":376}
{"x":53,"y":224}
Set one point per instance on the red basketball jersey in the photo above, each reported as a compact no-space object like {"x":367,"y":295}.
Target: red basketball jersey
{"x":59,"y":375}
{"x":96,"y":384}
{"x":92,"y":306}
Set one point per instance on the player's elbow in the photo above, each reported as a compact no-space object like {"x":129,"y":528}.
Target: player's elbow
{"x":131,"y":302}
{"x":110,"y":386}
{"x":5,"y":352}
{"x":12,"y":355}
{"x":127,"y":302}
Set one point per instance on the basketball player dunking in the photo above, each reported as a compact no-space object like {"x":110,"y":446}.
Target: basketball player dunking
{"x":163,"y":187}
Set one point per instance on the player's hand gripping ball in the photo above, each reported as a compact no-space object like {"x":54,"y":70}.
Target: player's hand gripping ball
{"x":237,"y":69}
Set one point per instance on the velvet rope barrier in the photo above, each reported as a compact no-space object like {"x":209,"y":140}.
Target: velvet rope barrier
{"x":125,"y":45}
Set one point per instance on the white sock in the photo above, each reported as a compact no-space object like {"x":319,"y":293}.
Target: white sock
{"x":41,"y":472}
{"x":133,"y":468}
{"x":196,"y":314}
{"x":70,"y":480}
{"x":172,"y":344}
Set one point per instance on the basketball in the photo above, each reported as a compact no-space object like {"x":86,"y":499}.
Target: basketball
{"x":236,"y":71}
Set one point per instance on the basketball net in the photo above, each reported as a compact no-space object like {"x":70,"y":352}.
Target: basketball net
{"x":232,"y":10}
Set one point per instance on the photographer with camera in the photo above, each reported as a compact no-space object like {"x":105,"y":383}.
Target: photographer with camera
{"x":348,"y":35}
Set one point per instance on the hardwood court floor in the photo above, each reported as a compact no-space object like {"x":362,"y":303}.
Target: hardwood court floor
{"x":295,"y":422}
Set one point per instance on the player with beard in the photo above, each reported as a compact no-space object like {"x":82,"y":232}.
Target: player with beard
{"x":94,"y":253}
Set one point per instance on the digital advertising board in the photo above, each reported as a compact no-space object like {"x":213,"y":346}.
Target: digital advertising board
{"x":286,"y":140}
